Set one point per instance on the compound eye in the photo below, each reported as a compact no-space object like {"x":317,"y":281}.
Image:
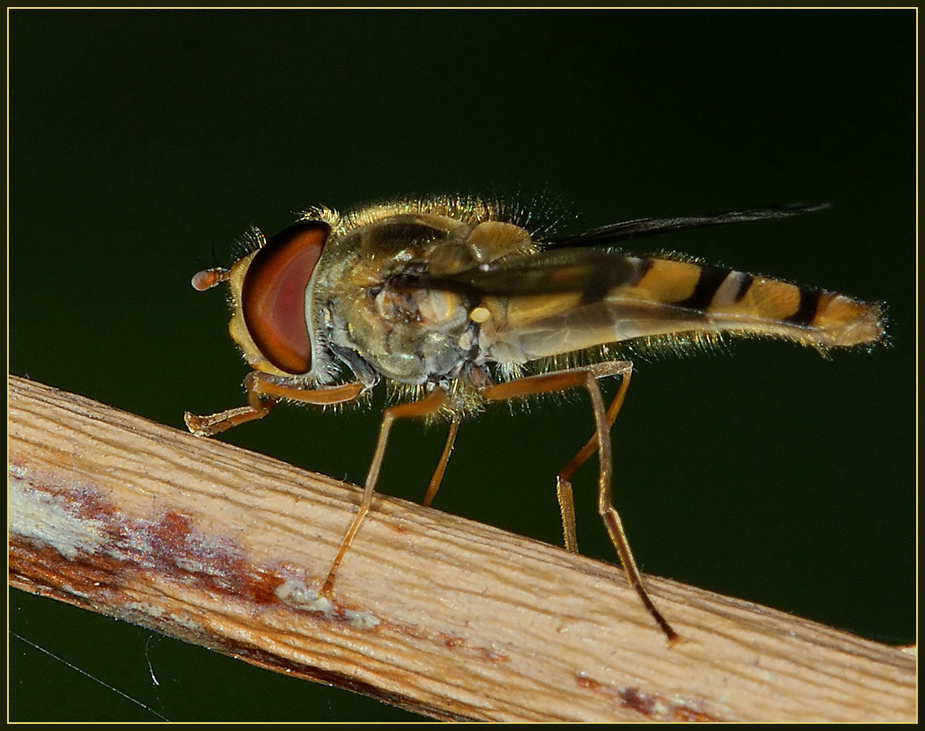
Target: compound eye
{"x":273,"y":295}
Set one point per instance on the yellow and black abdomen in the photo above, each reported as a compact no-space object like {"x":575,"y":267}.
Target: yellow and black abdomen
{"x":731,"y":301}
{"x":660,"y":298}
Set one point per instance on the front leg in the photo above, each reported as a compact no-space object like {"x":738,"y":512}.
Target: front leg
{"x":262,"y":396}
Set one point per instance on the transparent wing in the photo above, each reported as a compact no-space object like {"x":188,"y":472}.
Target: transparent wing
{"x":564,"y":266}
{"x":586,"y":271}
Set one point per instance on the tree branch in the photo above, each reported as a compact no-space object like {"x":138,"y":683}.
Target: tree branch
{"x":224,"y":548}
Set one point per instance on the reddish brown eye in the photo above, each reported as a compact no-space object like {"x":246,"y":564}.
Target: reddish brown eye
{"x":273,"y":295}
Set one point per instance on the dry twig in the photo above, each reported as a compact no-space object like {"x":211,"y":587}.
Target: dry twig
{"x":221,"y":547}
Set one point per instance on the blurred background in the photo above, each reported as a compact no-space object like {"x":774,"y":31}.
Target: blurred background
{"x":144,"y":143}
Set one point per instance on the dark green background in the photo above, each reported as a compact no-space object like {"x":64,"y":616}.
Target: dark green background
{"x":141,"y":141}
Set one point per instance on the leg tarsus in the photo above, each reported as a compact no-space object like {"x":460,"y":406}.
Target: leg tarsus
{"x":212,"y":424}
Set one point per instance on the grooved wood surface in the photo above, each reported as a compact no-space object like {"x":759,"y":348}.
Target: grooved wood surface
{"x":453,"y":619}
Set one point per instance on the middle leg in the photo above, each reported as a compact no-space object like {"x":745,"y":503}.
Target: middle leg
{"x":425,"y":407}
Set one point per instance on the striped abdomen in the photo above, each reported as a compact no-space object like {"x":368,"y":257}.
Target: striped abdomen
{"x":624,"y":297}
{"x":729,"y":300}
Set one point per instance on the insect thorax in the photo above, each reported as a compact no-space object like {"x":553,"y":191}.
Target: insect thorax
{"x":411,"y":335}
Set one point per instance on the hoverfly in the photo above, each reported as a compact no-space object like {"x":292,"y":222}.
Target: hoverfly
{"x":460,"y":304}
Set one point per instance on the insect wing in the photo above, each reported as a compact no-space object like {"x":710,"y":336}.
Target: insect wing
{"x":566,"y":299}
{"x":582,"y":271}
